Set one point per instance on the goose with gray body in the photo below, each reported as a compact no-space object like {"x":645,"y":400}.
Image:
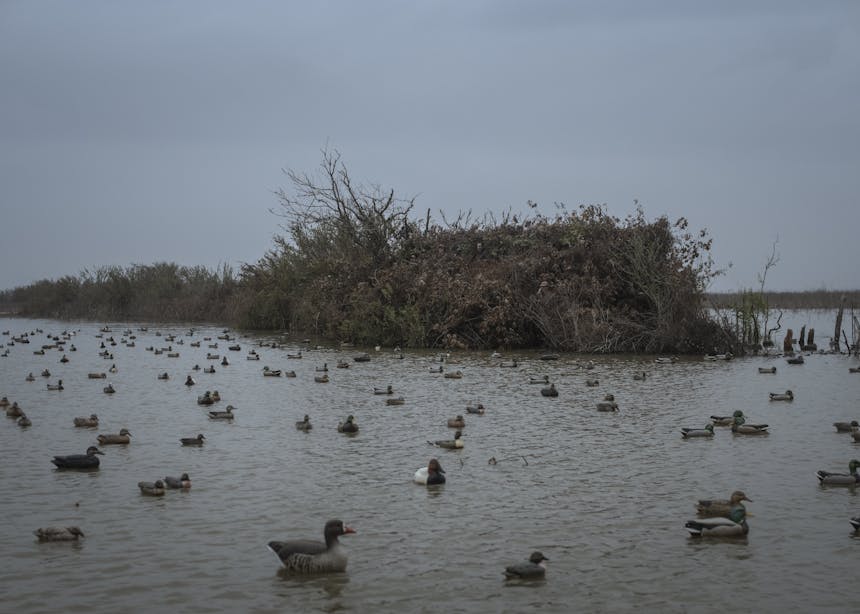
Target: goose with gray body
{"x":310,"y":557}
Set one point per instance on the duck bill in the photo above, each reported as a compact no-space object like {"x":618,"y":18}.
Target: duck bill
{"x":347,"y":530}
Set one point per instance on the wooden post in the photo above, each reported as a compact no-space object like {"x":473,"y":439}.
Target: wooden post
{"x":788,"y":342}
{"x":834,"y":343}
{"x":802,"y":340}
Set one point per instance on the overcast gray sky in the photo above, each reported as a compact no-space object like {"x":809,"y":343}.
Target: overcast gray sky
{"x":136,"y":132}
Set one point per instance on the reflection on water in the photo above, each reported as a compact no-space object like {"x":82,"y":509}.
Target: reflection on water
{"x":603,"y":494}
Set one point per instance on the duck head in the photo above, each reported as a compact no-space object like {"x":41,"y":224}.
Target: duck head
{"x":709,"y":427}
{"x":159,"y":484}
{"x":739,"y":496}
{"x":124,"y":432}
{"x":434,"y":467}
{"x":334,"y":529}
{"x":94,"y":450}
{"x":458,"y":434}
{"x":853,"y":465}
{"x":307,"y":418}
{"x":537,"y":558}
{"x":738,"y":414}
{"x":75,"y":531}
{"x":184,"y":477}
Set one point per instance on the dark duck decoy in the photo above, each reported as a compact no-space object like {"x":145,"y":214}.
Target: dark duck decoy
{"x":58,"y":534}
{"x":183,"y":482}
{"x":388,"y":390}
{"x":551,"y":391}
{"x":846,"y":427}
{"x":79,"y":461}
{"x":477,"y":409}
{"x":305,"y":424}
{"x":192,"y":441}
{"x":109,"y":389}
{"x":532,"y":569}
{"x":122,"y":437}
{"x":349,"y":426}
{"x":189,"y":381}
{"x":855,"y":523}
{"x":93,"y":420}
{"x":431,"y":474}
{"x":310,"y":557}
{"x":57,"y":386}
{"x":151,"y":489}
{"x":607,"y":404}
{"x":14,"y":410}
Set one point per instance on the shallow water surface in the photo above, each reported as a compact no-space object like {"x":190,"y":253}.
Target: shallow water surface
{"x":603,"y":495}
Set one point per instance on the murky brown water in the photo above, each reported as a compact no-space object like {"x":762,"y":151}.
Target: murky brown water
{"x":603,"y":495}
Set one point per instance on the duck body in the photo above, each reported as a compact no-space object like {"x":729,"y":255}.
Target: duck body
{"x":430,"y":475}
{"x":151,"y":489}
{"x":846,"y":427}
{"x":305,"y":424}
{"x":395,"y":401}
{"x":122,"y":437}
{"x":311,"y":557}
{"x":717,"y":527}
{"x":478,"y":409}
{"x":109,"y":389}
{"x":532,"y":569}
{"x":92,"y":421}
{"x":388,"y":390}
{"x":183,"y":482}
{"x":14,"y":410}
{"x":852,"y":478}
{"x":456,"y":423}
{"x":708,"y":431}
{"x":607,"y":404}
{"x":726,"y":420}
{"x":721,"y":508}
{"x":788,"y":395}
{"x":192,"y":441}
{"x":271,"y":372}
{"x":539,"y":380}
{"x":58,"y":534}
{"x":57,"y":386}
{"x":550,"y":391}
{"x":222,"y":415}
{"x":740,"y":427}
{"x":79,"y":461}
{"x":321,"y":379}
{"x":451,"y":444}
{"x":769,"y":370}
{"x":348,"y":426}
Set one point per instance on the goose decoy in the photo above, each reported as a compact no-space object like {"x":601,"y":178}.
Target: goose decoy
{"x":109,"y":389}
{"x":550,"y":391}
{"x":733,"y":526}
{"x":788,"y":395}
{"x":388,"y":390}
{"x":227,"y":414}
{"x":478,"y":409}
{"x":608,"y":403}
{"x":183,"y":482}
{"x":57,"y":386}
{"x":456,"y":423}
{"x":151,"y":489}
{"x":740,"y":427}
{"x":532,"y":569}
{"x":431,"y":474}
{"x":841,"y":479}
{"x":24,"y":421}
{"x":115,"y":438}
{"x":707,"y":431}
{"x":93,"y":420}
{"x":307,"y":556}
{"x":770,"y":370}
{"x":349,"y":426}
{"x":713,"y":508}
{"x":450,"y":444}
{"x":539,"y":380}
{"x":304,"y":424}
{"x":192,"y":441}
{"x":726,"y":420}
{"x":79,"y":461}
{"x":846,"y":427}
{"x":58,"y":534}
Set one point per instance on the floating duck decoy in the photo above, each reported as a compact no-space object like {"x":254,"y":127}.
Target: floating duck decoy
{"x":395,"y":401}
{"x":342,"y":364}
{"x":853,"y":369}
{"x":189,"y":381}
{"x":733,"y":526}
{"x":841,"y":479}
{"x":665,"y":360}
{"x":365,"y":357}
{"x":79,"y":461}
{"x":450,"y":444}
{"x":431,"y":474}
{"x":348,"y":426}
{"x":46,"y":373}
{"x":511,"y":364}
{"x":64,"y":359}
{"x":267,"y":372}
{"x":151,"y":489}
{"x":640,"y":376}
{"x":192,"y":441}
{"x":209,"y":369}
{"x":769,"y":370}
{"x":4,"y":402}
{"x":438,"y":369}
{"x":93,"y":420}
{"x":195,"y":368}
{"x":205,"y":399}
{"x":14,"y":411}
{"x":788,"y":395}
{"x":109,"y":389}
{"x":24,"y":421}
{"x":164,"y":375}
{"x":97,"y":375}
{"x":607,"y":404}
{"x":58,"y":534}
{"x":454,"y":374}
{"x":591,"y":383}
{"x":322,"y":369}
{"x":457,"y":423}
{"x":532,"y":569}
{"x":216,"y":396}
{"x":227,"y":414}
{"x":796,"y":360}
{"x":388,"y":390}
{"x":289,"y":373}
{"x":183,"y":482}
{"x":122,"y":437}
{"x":711,"y":508}
{"x":550,"y":391}
{"x":855,"y":435}
{"x":225,"y":362}
{"x":113,"y":368}
{"x":539,"y":380}
{"x":311,"y":557}
{"x":740,"y":427}
{"x":57,"y":386}
{"x":30,"y":377}
{"x":846,"y":427}
{"x":295,"y":356}
{"x":726,"y":420}
{"x":304,"y":424}
{"x":707,"y":431}
{"x":855,"y":523}
{"x":478,"y":409}
{"x":321,"y":379}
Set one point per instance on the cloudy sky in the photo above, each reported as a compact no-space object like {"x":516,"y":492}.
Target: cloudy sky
{"x":136,"y":132}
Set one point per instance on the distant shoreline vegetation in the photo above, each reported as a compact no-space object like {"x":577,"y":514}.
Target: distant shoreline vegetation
{"x":355,"y":265}
{"x":805,"y":299}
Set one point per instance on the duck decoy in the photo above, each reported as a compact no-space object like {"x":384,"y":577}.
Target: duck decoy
{"x":24,"y":421}
{"x":342,"y":364}
{"x":770,"y":370}
{"x":58,"y":534}
{"x":189,"y":381}
{"x":453,"y":375}
{"x":192,"y":441}
{"x":796,"y":360}
{"x":511,"y":364}
{"x":109,"y":389}
{"x":304,"y":424}
{"x":640,"y":376}
{"x":740,"y":427}
{"x":216,"y":396}
{"x":431,"y":474}
{"x":113,"y":368}
{"x":855,"y":522}
{"x":164,"y":375}
{"x":846,"y":427}
{"x":550,"y":391}
{"x":57,"y":386}
{"x":477,"y":409}
{"x":853,"y":369}
{"x":225,"y":362}
{"x":726,"y":420}
{"x":151,"y":489}
{"x":30,"y":377}
{"x":14,"y":410}
{"x":539,"y":380}
{"x":195,"y":368}
{"x":855,"y":435}
{"x":438,"y":369}
{"x":841,"y":479}
{"x":321,"y":379}
{"x":307,"y":556}
{"x":322,"y":369}
{"x":348,"y":426}
{"x":532,"y":569}
{"x":456,"y":423}
{"x":733,"y":526}
{"x":450,"y":444}
{"x":395,"y":401}
{"x":64,"y":359}
{"x":608,"y":403}
{"x":591,"y":383}
{"x":122,"y":437}
{"x":79,"y":461}
{"x":295,"y":356}
{"x":267,"y":372}
{"x":93,"y":420}
{"x":711,"y":508}
{"x":365,"y":357}
{"x":707,"y":431}
{"x":788,"y":395}
{"x":46,"y":373}
{"x":227,"y":414}
{"x":388,"y":390}
{"x":205,"y":399}
{"x":209,"y":369}
{"x":183,"y":482}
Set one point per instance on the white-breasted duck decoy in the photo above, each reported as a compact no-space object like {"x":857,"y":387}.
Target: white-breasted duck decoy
{"x":205,"y":398}
{"x":92,"y":421}
{"x":58,"y":534}
{"x":846,"y":427}
{"x":477,"y":409}
{"x":431,"y":474}
{"x":387,"y":390}
{"x":733,"y":526}
{"x":115,"y":438}
{"x":788,"y":395}
{"x":532,"y":569}
{"x":109,"y":389}
{"x":79,"y":461}
{"x":549,"y":391}
{"x":267,"y":372}
{"x":768,"y":370}
{"x":151,"y":489}
{"x":539,"y":380}
{"x":57,"y":386}
{"x":726,"y":420}
{"x":450,"y":444}
{"x":227,"y":414}
{"x":24,"y":421}
{"x":304,"y":424}
{"x":192,"y":441}
{"x":311,"y":557}
{"x":348,"y":426}
{"x":714,"y":508}
{"x":841,"y":479}
{"x":183,"y":482}
{"x":740,"y":427}
{"x":456,"y":423}
{"x":608,"y":403}
{"x":707,"y":431}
